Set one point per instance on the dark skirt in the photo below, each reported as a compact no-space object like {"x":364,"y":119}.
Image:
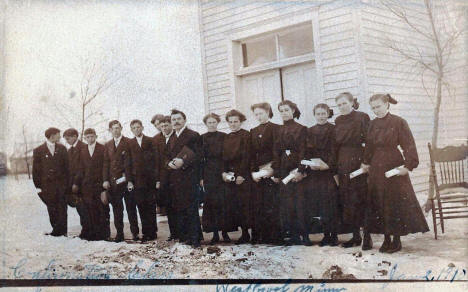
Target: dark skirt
{"x":292,"y":209}
{"x":321,"y":195}
{"x":237,"y":210}
{"x":265,"y":210}
{"x":392,"y":204}
{"x":213,"y":208}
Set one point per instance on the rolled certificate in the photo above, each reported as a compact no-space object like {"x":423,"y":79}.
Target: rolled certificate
{"x":357,"y":173}
{"x":290,"y":176}
{"x":260,"y":174}
{"x":393,"y":172}
{"x":121,"y":180}
{"x":312,"y":162}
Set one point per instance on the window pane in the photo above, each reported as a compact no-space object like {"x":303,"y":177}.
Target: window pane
{"x":296,"y":43}
{"x":259,"y":51}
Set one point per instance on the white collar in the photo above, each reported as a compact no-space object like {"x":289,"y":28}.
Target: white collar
{"x":76,"y":143}
{"x":118,"y":139}
{"x":50,"y":144}
{"x":92,"y":145}
{"x":168,"y":135}
{"x":139,"y":138}
{"x":181,"y":130}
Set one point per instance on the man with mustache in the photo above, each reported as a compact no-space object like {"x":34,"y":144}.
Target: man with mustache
{"x":183,"y":161}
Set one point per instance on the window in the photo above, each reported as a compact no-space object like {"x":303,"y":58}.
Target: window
{"x":278,"y":46}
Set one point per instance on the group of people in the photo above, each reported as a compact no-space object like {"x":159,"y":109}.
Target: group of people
{"x":277,"y":183}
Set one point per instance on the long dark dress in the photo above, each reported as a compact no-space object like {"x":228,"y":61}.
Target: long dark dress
{"x":351,"y":133}
{"x":291,"y":140}
{"x":265,"y":193}
{"x":236,"y":156}
{"x":212,"y":166}
{"x":320,"y":188}
{"x":393,"y":207}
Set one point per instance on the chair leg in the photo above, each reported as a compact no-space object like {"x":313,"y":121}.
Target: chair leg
{"x":434,"y":223}
{"x":442,"y":223}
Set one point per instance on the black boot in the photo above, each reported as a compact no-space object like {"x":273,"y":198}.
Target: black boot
{"x":245,"y":237}
{"x":225,"y":236}
{"x":306,"y":241}
{"x":333,"y":240}
{"x":367,"y":244}
{"x":215,"y":238}
{"x":325,"y":240}
{"x":355,"y":241}
{"x":119,"y":237}
{"x":396,"y":245}
{"x":386,"y":244}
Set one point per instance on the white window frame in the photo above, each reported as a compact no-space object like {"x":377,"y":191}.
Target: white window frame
{"x":234,"y":39}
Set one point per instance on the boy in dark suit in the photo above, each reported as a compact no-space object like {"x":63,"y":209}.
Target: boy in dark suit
{"x":116,"y":167}
{"x":89,"y":178}
{"x":142,"y":175}
{"x":51,"y":178}
{"x":74,"y":195}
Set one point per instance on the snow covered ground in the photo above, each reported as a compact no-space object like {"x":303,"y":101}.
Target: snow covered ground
{"x":26,"y":253}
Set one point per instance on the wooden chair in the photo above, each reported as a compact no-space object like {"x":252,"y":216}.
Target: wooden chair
{"x":448,"y":167}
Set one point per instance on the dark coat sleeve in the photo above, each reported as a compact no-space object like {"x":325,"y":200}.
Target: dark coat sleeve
{"x":156,"y":155}
{"x":406,"y":141}
{"x":36,"y":167}
{"x":106,"y":165}
{"x":277,"y":154}
{"x":332,"y":158}
{"x":245,"y":161}
{"x":369,"y":149}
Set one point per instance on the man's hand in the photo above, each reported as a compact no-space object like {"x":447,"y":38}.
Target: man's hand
{"x":201,"y":183}
{"x":178,"y":163}
{"x":298,"y":177}
{"x":256,"y":179}
{"x":130,"y":186}
{"x":366,"y":167}
{"x":74,"y":188}
{"x":239,"y":180}
{"x":275,"y":179}
{"x":106,"y":185}
{"x":158,"y":185}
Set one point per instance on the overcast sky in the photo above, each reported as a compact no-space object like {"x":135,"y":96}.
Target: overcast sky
{"x":152,"y":46}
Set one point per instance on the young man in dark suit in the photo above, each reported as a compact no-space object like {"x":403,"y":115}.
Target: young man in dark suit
{"x":183,"y":179}
{"x":116,"y":166}
{"x":142,"y":176}
{"x":74,"y":194}
{"x":156,"y":122}
{"x":89,"y":180}
{"x":51,"y":178}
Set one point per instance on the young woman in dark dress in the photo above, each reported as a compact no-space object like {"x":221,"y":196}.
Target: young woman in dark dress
{"x":212,"y":166}
{"x":289,"y":149}
{"x":236,"y":157}
{"x":320,"y":188}
{"x":351,"y":130}
{"x":265,"y":220}
{"x":393,"y":209}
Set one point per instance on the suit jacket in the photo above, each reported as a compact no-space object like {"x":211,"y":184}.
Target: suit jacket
{"x":74,"y":160}
{"x":116,"y":161}
{"x":89,"y":176}
{"x":183,"y":181}
{"x":142,"y":159}
{"x":51,"y":173}
{"x":160,"y":162}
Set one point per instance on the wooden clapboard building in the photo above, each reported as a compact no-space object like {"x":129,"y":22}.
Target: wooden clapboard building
{"x":310,"y":51}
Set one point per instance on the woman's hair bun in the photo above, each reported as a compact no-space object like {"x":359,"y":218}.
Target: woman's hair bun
{"x":330,"y":113}
{"x":355,"y":103}
{"x":391,"y":99}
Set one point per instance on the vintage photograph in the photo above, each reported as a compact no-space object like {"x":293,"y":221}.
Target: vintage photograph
{"x":234,"y":145}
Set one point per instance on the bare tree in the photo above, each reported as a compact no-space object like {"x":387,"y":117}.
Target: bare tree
{"x":84,"y":107}
{"x":442,"y":32}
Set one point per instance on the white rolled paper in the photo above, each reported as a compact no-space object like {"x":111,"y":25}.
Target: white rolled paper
{"x":357,"y":172}
{"x":311,"y":162}
{"x":393,"y":172}
{"x":290,"y":176}
{"x":230,"y":177}
{"x":121,"y":180}
{"x":336,"y":179}
{"x":260,"y":174}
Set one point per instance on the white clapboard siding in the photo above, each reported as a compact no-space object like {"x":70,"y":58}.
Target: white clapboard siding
{"x":337,"y":44}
